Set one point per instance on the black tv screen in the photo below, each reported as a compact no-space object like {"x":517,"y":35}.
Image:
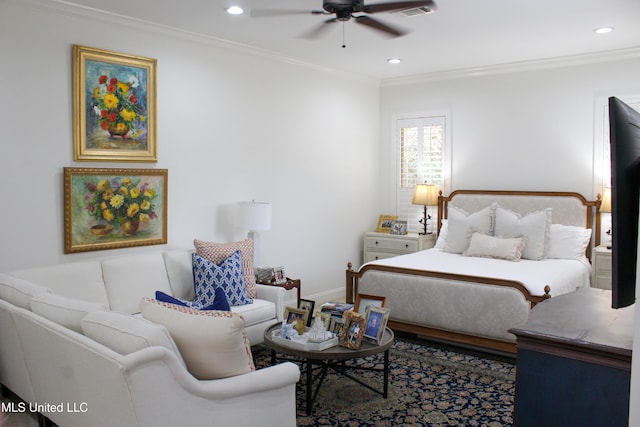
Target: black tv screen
{"x":624,"y":128}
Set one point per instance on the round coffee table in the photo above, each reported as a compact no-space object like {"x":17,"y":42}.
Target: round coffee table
{"x":333,"y":358}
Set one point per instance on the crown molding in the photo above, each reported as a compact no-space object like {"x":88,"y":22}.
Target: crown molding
{"x":558,"y":62}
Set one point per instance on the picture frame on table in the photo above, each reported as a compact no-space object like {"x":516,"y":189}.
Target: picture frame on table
{"x":297,"y":315}
{"x":307,"y":305}
{"x":114,"y":106}
{"x":336,"y":326}
{"x":399,"y":228}
{"x":326,"y":318}
{"x":279,"y":277}
{"x":375,"y":323}
{"x":109,"y":208}
{"x":353,"y":330}
{"x":364,"y":300}
{"x":385,"y":223}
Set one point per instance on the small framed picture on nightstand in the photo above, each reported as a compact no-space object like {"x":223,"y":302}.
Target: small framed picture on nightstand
{"x":385,"y":223}
{"x":399,"y":227}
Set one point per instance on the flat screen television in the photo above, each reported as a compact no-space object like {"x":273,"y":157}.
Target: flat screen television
{"x":624,"y":129}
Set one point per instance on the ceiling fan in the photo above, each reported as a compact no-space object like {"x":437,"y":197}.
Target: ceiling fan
{"x":344,"y":11}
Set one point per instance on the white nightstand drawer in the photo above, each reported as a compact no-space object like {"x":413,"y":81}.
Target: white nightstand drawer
{"x":382,"y":244}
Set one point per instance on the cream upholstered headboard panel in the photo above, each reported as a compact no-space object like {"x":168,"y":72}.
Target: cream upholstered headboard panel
{"x":567,"y":208}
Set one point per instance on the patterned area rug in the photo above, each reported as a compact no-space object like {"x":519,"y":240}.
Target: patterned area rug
{"x":429,"y":386}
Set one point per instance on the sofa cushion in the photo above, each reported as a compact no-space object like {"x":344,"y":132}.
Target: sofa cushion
{"x":219,"y":303}
{"x":129,"y":278}
{"x":217,"y":252}
{"x":18,"y":291}
{"x":65,"y":311}
{"x":180,"y":272}
{"x":212,"y":343}
{"x":258,"y":312}
{"x":65,"y":279}
{"x":227,"y":275}
{"x":125,"y":333}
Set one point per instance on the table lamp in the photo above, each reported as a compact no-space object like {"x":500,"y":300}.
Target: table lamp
{"x":605,"y":207}
{"x":255,"y":217}
{"x":425,"y":195}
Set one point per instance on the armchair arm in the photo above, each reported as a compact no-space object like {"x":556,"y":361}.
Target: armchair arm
{"x":275,"y":294}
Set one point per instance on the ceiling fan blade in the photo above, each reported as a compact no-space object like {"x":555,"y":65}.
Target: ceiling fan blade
{"x":317,"y":31}
{"x":263,"y":13}
{"x":377,"y":25}
{"x":401,"y":5}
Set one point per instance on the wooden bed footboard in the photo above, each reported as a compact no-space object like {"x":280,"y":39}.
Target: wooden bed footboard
{"x":352,"y":278}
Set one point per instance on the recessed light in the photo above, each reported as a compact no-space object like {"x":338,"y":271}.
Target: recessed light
{"x":603,"y":30}
{"x":235,"y":10}
{"x":394,"y":60}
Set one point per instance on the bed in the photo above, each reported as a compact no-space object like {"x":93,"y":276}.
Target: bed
{"x":498,"y":253}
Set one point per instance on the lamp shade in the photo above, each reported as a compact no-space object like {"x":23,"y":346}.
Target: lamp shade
{"x":605,"y":205}
{"x":425,"y":194}
{"x":254,"y":216}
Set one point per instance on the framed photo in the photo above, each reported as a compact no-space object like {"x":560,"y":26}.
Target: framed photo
{"x":326,"y":318}
{"x":278,"y":276}
{"x":297,"y":315}
{"x":307,"y":305}
{"x":363,"y":301}
{"x":385,"y":223}
{"x":399,"y":227}
{"x":114,"y":208}
{"x":114,"y":106}
{"x":353,"y":330}
{"x":376,"y":322}
{"x":336,"y":326}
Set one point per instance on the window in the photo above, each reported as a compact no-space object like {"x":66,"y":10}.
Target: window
{"x":423,"y":157}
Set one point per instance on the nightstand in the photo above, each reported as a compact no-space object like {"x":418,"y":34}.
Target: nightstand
{"x":384,"y":245}
{"x":601,"y":268}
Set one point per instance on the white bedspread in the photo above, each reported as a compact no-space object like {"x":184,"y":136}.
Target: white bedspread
{"x":562,"y":275}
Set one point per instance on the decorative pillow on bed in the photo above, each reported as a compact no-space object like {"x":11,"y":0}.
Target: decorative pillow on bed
{"x":534,"y":226}
{"x":481,"y":245}
{"x":568,"y":242}
{"x":442,"y":236}
{"x":460,"y":223}
{"x":217,"y":252}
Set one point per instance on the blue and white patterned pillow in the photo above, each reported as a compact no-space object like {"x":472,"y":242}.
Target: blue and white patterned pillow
{"x":227,"y":275}
{"x":220,"y":302}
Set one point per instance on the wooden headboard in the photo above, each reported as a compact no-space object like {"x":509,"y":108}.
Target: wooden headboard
{"x":567,"y":208}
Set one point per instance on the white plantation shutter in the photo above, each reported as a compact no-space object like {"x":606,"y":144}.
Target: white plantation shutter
{"x":422,"y":158}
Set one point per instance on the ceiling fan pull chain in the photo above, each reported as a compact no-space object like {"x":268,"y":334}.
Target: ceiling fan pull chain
{"x":343,"y":31}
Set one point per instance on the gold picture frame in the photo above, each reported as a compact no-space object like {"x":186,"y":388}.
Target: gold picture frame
{"x":353,"y":330}
{"x":385,"y":223}
{"x":114,"y":208}
{"x":297,"y":315}
{"x":114,"y":106}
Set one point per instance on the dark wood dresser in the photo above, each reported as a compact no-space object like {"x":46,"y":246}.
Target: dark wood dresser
{"x":574,"y":362}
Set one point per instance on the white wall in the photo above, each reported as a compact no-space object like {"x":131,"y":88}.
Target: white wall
{"x":232,"y":126}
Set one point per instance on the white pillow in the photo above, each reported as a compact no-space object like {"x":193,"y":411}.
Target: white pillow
{"x":65,"y":311}
{"x":125,"y":333}
{"x":481,"y":245}
{"x":213,"y":343}
{"x":568,"y":242}
{"x":442,"y":236}
{"x":534,"y":226}
{"x":461,"y":225}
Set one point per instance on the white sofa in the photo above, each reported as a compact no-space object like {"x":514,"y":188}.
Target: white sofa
{"x":47,"y":360}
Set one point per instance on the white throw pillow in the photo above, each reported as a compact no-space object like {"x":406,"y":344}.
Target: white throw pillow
{"x":460,"y":225}
{"x":125,"y":333}
{"x":534,"y":226}
{"x":442,"y":236}
{"x":481,"y":245}
{"x":213,"y":343}
{"x":568,"y":242}
{"x":65,"y":311}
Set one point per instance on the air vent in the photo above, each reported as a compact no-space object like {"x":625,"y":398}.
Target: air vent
{"x":417,"y":11}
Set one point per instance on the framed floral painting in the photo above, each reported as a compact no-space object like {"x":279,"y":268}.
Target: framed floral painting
{"x":114,"y":106}
{"x":114,"y":208}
